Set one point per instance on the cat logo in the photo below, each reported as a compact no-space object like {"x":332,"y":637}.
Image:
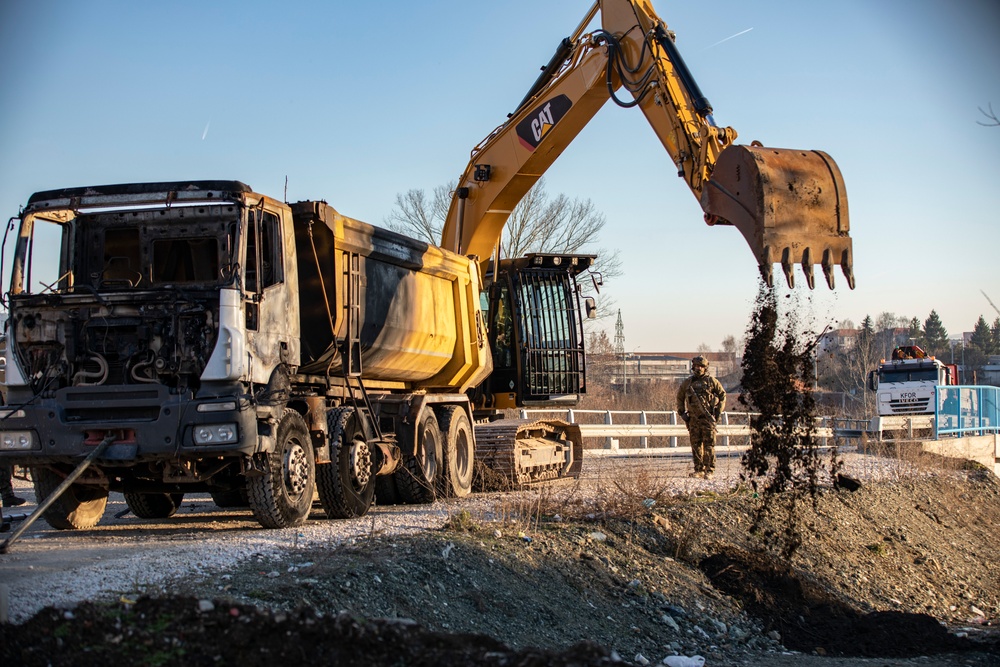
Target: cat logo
{"x":541,"y":120}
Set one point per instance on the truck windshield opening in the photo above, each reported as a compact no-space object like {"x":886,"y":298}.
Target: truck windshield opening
{"x":188,"y":260}
{"x":908,"y":375}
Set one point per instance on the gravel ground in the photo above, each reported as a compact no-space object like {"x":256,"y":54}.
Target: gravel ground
{"x":640,"y":578}
{"x":128,"y":555}
{"x":125,"y":555}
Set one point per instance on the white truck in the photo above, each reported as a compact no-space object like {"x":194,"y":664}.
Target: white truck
{"x":904,"y":387}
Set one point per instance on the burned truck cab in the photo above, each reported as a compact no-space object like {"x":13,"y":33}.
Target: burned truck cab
{"x":159,"y":316}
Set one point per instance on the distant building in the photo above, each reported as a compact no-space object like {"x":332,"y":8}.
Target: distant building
{"x":838,"y":340}
{"x":989,"y":373}
{"x":645,"y":368}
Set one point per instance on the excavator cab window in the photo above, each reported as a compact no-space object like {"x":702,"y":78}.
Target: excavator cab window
{"x":552,"y":356}
{"x":502,"y":387}
{"x":503,"y":325}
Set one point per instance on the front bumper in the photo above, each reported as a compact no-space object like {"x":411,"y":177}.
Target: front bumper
{"x":149,"y":422}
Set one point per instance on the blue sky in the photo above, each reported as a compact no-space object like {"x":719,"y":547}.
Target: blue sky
{"x":355,"y":102}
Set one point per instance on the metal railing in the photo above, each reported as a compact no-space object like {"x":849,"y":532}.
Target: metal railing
{"x":644,"y":424}
{"x":910,"y":426}
{"x":962,"y":410}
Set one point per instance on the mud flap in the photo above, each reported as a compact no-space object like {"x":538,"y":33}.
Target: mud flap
{"x":790,"y":205}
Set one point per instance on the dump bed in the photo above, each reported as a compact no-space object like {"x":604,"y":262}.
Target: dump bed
{"x":411,"y":308}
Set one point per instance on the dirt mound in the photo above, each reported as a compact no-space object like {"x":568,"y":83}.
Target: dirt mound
{"x":810,"y":618}
{"x":181,"y":631}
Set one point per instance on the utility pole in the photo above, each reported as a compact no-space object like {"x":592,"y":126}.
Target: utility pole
{"x":620,"y":350}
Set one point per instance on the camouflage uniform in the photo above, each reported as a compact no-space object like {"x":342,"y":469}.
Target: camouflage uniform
{"x":7,"y":489}
{"x":701,"y":399}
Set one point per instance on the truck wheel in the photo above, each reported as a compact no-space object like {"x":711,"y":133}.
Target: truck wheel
{"x":81,"y":506}
{"x":347,"y":484}
{"x":416,"y":481}
{"x":153,"y":505}
{"x":459,"y":450}
{"x":282,"y":496}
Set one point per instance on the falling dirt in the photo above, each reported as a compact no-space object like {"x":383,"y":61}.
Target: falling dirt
{"x":784,"y":462}
{"x":785,"y":465}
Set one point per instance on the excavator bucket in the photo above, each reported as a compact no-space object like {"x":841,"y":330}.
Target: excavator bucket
{"x":790,"y":205}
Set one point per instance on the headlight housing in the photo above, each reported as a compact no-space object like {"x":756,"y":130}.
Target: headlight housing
{"x":17,"y":440}
{"x":224,"y":406}
{"x":215,"y":434}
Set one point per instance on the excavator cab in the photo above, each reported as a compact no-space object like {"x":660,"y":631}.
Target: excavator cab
{"x":535,"y":326}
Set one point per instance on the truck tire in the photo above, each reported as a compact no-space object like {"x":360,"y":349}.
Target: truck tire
{"x":153,"y":505}
{"x":416,"y":481}
{"x":459,"y":451}
{"x":282,"y":496}
{"x":346,"y":485}
{"x":81,"y":506}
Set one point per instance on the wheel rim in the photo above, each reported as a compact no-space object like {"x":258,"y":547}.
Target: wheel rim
{"x":296,"y":469}
{"x":462,"y":448}
{"x":428,"y":457}
{"x":361,"y":463}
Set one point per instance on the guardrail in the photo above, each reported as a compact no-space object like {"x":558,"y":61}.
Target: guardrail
{"x":644,"y":424}
{"x":911,"y":425}
{"x":966,"y":410}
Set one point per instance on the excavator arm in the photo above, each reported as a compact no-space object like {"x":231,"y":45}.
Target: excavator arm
{"x":789,"y":204}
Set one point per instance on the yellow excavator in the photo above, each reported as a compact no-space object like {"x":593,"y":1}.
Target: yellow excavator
{"x":789,"y":204}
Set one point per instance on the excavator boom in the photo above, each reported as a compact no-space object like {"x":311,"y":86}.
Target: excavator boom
{"x":790,"y":205}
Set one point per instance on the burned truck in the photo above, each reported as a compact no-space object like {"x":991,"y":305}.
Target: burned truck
{"x":206,"y":338}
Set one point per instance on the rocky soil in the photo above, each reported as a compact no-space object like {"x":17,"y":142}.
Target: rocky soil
{"x":640,"y":569}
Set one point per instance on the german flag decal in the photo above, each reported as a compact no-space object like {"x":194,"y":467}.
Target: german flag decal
{"x":541,"y":120}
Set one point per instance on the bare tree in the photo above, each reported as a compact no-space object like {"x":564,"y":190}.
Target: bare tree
{"x":419,"y":216}
{"x":991,"y":116}
{"x":732,"y":346}
{"x":847,"y":369}
{"x":539,"y":223}
{"x":885,"y":325}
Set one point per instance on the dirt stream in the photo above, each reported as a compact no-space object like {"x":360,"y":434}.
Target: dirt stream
{"x":894,"y":573}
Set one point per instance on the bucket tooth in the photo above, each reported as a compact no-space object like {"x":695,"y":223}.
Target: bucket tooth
{"x":847,"y":266}
{"x":828,"y":267}
{"x":807,"y":268}
{"x":767,"y":273}
{"x":767,"y":267}
{"x":786,"y":267}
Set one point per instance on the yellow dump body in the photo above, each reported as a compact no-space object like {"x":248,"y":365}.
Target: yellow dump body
{"x":412,"y":308}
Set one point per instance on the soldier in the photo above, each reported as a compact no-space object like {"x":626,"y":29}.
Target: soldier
{"x":700,"y":401}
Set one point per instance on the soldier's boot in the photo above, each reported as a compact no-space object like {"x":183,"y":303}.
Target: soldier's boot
{"x":7,"y":490}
